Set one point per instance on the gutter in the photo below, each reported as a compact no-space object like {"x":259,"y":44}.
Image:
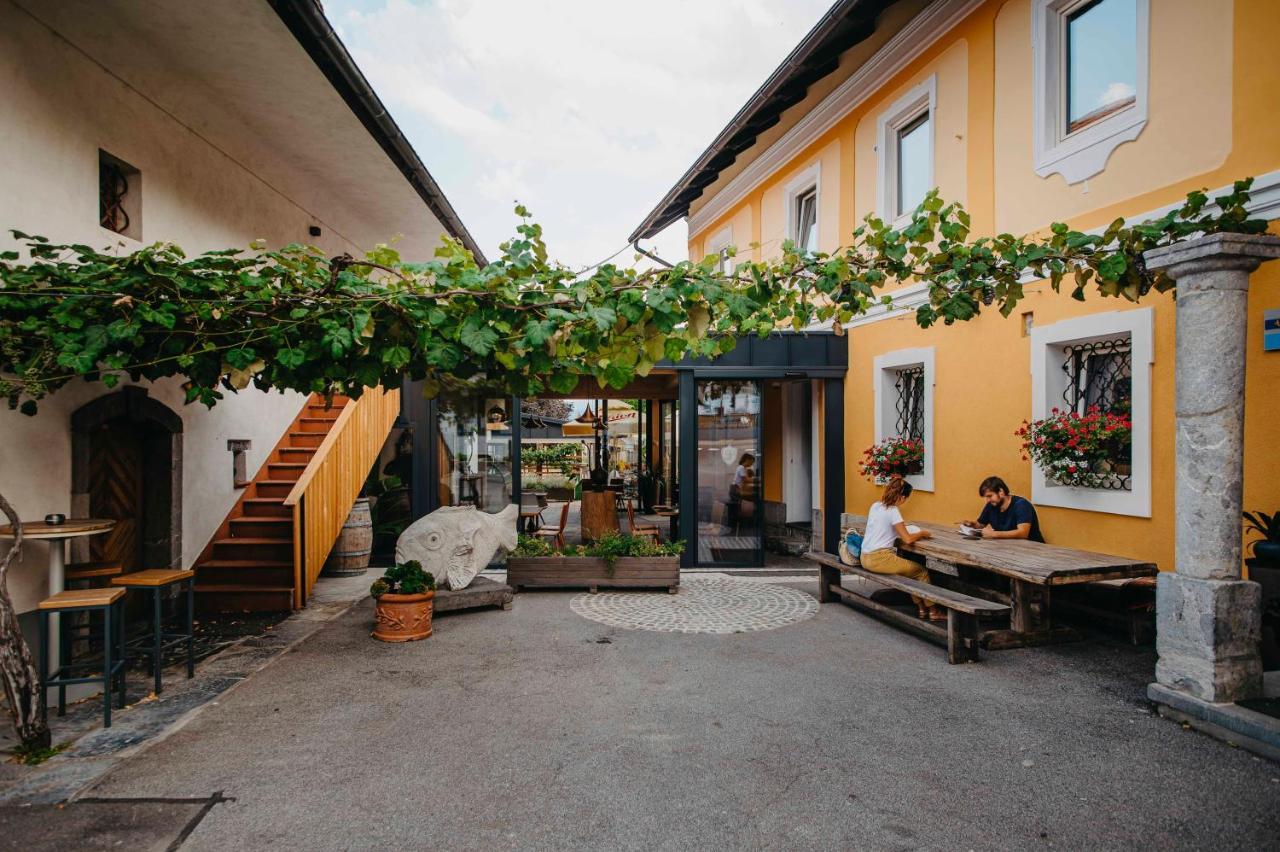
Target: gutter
{"x":782,"y":75}
{"x":307,"y":21}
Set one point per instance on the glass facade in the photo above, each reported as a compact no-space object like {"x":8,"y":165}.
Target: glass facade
{"x":730,"y":509}
{"x":473,"y":452}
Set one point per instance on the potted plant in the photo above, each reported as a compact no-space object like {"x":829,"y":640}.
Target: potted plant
{"x":1264,"y":569}
{"x":615,"y":560}
{"x":893,"y":457}
{"x":403,"y":600}
{"x":1080,"y":450}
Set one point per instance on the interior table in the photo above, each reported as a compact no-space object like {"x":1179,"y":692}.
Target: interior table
{"x":673,"y":515}
{"x":57,"y":535}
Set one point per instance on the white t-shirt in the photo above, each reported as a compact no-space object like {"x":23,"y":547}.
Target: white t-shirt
{"x":880,"y":534}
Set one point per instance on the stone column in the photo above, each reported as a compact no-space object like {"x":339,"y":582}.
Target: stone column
{"x":1207,"y":618}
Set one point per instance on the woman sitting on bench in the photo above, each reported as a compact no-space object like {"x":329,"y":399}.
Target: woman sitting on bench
{"x":885,"y":527}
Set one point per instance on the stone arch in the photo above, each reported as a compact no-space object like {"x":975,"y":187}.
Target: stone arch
{"x":162,"y":469}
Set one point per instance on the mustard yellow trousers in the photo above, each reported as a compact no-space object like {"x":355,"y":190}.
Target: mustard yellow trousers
{"x":887,"y":561}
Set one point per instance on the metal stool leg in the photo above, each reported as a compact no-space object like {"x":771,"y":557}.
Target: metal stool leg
{"x":64,"y":660}
{"x":191,"y":628}
{"x":124,"y":657}
{"x":108,"y":641}
{"x":44,"y":665}
{"x":157,"y":649}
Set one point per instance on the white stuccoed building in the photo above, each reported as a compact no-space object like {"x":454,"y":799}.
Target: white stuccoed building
{"x":223,"y":123}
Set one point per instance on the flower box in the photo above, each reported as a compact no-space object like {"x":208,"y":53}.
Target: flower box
{"x":593,"y":572}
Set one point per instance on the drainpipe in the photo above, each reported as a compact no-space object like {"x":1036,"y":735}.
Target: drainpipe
{"x":636,"y":245}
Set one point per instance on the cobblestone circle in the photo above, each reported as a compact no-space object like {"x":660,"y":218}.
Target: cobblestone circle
{"x":703,"y":605}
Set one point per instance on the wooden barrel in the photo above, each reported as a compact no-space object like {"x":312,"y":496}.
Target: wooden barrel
{"x":350,"y":554}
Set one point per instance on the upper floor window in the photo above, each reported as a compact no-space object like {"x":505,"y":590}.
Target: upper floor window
{"x":1101,"y":61}
{"x":914,"y":169}
{"x":719,"y":245}
{"x":904,"y":152}
{"x":119,"y":196}
{"x":806,"y":220}
{"x":1090,"y":73}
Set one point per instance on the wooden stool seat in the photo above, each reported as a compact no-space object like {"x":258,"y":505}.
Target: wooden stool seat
{"x":152,"y":577}
{"x":81,"y":598}
{"x":93,"y":570}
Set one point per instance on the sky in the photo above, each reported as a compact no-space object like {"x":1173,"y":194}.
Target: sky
{"x":585,"y":111}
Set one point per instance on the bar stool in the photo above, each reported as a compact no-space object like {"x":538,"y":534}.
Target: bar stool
{"x":109,"y":603}
{"x":158,"y":580}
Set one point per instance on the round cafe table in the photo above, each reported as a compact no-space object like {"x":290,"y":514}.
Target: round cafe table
{"x":57,"y":535}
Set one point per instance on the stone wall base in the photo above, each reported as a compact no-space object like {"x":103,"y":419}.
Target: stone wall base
{"x":1235,"y":725}
{"x":1207,"y":635}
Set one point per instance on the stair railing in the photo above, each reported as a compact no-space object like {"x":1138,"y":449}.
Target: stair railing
{"x":322,"y":497}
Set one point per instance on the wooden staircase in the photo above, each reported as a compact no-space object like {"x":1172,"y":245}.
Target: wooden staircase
{"x":249,"y":563}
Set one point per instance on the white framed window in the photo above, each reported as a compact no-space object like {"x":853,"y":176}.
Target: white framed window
{"x":719,"y":245}
{"x":904,"y":152}
{"x":1090,"y":64}
{"x":902,"y":383}
{"x":803,"y":195}
{"x":1103,"y":361}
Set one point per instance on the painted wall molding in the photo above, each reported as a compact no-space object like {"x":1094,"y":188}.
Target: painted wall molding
{"x":919,"y":34}
{"x":1265,"y":204}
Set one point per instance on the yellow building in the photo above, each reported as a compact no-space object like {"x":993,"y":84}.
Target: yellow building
{"x":1028,"y":112}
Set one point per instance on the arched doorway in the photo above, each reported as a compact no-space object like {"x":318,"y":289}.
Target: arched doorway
{"x":126,"y":464}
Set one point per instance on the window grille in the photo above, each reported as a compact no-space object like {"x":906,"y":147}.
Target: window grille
{"x":113,"y":186}
{"x":1100,"y":375}
{"x":909,"y":406}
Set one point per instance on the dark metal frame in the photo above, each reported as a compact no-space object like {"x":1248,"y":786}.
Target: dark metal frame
{"x":112,"y":663}
{"x":1107,"y":386}
{"x":797,"y":356}
{"x":153,"y":642}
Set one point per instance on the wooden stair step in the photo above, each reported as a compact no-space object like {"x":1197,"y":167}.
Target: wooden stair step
{"x":285,"y":470}
{"x":302,"y":454}
{"x":249,"y":572}
{"x":267,"y":488}
{"x":249,"y":547}
{"x":315,"y":424}
{"x":240,"y":597}
{"x":249,"y":526}
{"x":306,"y":439}
{"x":266,"y":507}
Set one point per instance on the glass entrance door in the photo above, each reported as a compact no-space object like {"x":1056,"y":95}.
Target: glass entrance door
{"x":730,"y":512}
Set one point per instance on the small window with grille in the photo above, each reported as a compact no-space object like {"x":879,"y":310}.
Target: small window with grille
{"x":1100,"y":377}
{"x":908,"y":404}
{"x":119,"y":196}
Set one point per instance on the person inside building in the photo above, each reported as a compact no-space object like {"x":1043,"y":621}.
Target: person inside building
{"x":885,"y":527}
{"x":1005,"y":515}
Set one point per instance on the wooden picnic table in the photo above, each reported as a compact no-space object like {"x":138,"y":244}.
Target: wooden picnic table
{"x":1032,"y":568}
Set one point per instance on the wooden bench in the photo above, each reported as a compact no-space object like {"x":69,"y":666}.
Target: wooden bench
{"x":961,"y":634}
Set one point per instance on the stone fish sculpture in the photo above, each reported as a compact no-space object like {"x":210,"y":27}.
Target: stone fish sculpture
{"x":455,"y":543}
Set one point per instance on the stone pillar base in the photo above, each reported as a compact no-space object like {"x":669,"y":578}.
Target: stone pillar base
{"x":1207,"y":635}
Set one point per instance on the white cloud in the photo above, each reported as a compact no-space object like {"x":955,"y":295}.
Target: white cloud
{"x":586,"y":111}
{"x":1116,"y":92}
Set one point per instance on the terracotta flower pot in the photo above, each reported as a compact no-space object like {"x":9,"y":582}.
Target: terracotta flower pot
{"x":403,"y":618}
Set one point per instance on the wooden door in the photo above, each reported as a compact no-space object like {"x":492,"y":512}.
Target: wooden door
{"x":116,"y":491}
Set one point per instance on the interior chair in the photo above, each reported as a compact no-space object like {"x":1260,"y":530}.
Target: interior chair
{"x":641,"y":530}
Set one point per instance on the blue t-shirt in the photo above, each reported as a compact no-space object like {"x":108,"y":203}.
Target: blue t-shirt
{"x":1020,"y":511}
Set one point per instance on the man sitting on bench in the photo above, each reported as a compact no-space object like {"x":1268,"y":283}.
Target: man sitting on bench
{"x":1005,"y":515}
{"x":885,"y":528}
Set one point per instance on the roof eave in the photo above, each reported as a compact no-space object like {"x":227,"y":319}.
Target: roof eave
{"x":307,"y":21}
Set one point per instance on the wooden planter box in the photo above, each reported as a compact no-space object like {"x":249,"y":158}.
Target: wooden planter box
{"x":591,"y":572}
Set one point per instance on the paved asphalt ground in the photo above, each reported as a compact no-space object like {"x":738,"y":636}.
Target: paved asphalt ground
{"x":527,"y":730}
